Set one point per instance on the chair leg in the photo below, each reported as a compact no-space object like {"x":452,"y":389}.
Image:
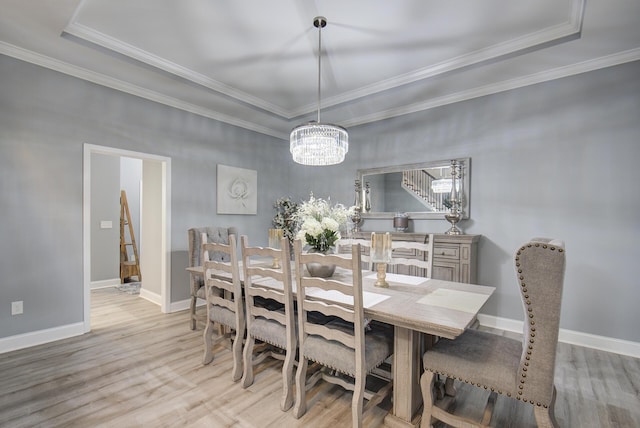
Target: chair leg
{"x":545,"y":418}
{"x":449,"y":389}
{"x":300,"y":406}
{"x":357,"y":401}
{"x":247,"y":375}
{"x":236,"y":374}
{"x":192,"y":310}
{"x":287,"y":381}
{"x":427,"y":381}
{"x":208,"y":343}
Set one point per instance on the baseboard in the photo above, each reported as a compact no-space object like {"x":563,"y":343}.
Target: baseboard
{"x":26,"y":340}
{"x":603,"y":343}
{"x":104,"y":283}
{"x":151,"y":296}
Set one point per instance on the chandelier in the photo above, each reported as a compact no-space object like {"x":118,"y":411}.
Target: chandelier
{"x":317,"y":143}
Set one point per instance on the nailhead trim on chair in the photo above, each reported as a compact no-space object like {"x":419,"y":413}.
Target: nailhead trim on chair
{"x":532,"y":334}
{"x":532,"y":323}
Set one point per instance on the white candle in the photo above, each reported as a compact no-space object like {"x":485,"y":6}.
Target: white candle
{"x":381,"y":247}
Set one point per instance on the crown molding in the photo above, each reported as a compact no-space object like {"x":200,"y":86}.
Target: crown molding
{"x":572,"y":27}
{"x":506,"y":85}
{"x":119,"y":85}
{"x":95,"y":37}
{"x":100,"y":79}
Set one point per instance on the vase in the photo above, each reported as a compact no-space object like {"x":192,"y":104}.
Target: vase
{"x":319,"y":270}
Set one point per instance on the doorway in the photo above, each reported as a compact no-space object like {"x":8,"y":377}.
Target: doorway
{"x":155,"y":228}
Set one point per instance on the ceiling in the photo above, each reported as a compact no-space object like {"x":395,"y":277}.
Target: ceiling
{"x":253,"y":63}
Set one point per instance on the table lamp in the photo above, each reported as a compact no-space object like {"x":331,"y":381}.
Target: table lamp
{"x":381,"y":255}
{"x":275,"y":235}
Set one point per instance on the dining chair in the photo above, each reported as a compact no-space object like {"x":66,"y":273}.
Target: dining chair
{"x":194,"y":234}
{"x":519,"y":369}
{"x":223,"y":293}
{"x":344,"y":247}
{"x":339,"y":346}
{"x":415,"y":257}
{"x":270,"y":314}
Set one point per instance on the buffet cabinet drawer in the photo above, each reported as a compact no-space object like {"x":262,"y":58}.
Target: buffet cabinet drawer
{"x":451,"y":252}
{"x":454,"y":256}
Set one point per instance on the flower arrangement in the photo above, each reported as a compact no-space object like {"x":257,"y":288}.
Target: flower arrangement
{"x":320,"y":222}
{"x":285,"y":217}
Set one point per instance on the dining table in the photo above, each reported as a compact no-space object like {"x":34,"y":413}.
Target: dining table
{"x":418,"y":308}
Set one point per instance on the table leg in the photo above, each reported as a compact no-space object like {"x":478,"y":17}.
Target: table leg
{"x":407,"y":369}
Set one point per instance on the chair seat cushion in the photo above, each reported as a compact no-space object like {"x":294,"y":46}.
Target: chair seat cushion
{"x":222,"y":315}
{"x":330,"y":353}
{"x":477,"y":357}
{"x":269,"y":331}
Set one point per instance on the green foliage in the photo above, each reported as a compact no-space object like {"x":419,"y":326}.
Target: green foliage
{"x":286,"y":218}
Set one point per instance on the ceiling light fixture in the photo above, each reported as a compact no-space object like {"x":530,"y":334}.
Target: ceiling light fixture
{"x":317,"y":143}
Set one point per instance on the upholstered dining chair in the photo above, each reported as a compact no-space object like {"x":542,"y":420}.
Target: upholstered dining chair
{"x":214,"y":234}
{"x":225,"y":306}
{"x":340,"y":345}
{"x":270,"y":314}
{"x":523,"y":370}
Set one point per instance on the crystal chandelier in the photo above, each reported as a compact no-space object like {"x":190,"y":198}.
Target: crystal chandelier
{"x":317,"y":143}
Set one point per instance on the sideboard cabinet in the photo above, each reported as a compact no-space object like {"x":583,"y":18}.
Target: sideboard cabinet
{"x":454,"y":256}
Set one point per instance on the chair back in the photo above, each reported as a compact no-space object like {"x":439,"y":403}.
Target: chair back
{"x":222,"y":280}
{"x":344,"y":247}
{"x":416,"y":258}
{"x":336,"y":299}
{"x":213,"y":234}
{"x":540,"y":267}
{"x":270,"y":312}
{"x":263,"y":283}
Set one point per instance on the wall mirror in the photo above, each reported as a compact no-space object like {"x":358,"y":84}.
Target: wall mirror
{"x":422,"y":190}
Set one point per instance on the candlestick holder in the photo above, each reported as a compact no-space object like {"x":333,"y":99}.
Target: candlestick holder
{"x":455,"y":212}
{"x":356,"y":217}
{"x":381,"y":255}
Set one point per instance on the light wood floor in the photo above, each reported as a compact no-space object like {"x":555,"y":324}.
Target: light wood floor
{"x":139,"y":367}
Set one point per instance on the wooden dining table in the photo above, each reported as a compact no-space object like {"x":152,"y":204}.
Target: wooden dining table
{"x":415,"y":306}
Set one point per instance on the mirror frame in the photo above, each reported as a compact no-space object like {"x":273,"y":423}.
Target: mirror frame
{"x":423,"y":215}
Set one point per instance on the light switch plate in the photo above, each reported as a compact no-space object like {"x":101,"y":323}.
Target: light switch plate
{"x":16,"y":307}
{"x":106,"y":224}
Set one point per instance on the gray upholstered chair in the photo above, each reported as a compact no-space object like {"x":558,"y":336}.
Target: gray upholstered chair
{"x":523,"y":370}
{"x":225,"y":306}
{"x":214,"y":234}
{"x":270,"y":314}
{"x":340,"y":345}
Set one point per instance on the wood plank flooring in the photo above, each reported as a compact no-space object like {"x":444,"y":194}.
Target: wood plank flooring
{"x":139,"y":367}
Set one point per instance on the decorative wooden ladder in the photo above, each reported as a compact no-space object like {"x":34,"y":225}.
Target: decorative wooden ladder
{"x":128,"y":268}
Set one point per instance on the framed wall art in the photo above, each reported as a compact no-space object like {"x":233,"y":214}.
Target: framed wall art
{"x":237,"y":190}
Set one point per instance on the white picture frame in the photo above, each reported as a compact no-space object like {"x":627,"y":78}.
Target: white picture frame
{"x":237,"y":190}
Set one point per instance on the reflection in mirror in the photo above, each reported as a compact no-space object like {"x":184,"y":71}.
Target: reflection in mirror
{"x":422,"y":190}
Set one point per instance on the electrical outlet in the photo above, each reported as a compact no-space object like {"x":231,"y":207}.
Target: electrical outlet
{"x":16,"y":307}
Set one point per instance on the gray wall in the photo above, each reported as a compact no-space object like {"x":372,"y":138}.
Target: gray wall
{"x":130,"y":178}
{"x":45,"y":118}
{"x":105,"y":206}
{"x":555,"y":159}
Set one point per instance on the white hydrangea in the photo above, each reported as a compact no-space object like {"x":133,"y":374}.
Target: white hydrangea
{"x":321,"y":222}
